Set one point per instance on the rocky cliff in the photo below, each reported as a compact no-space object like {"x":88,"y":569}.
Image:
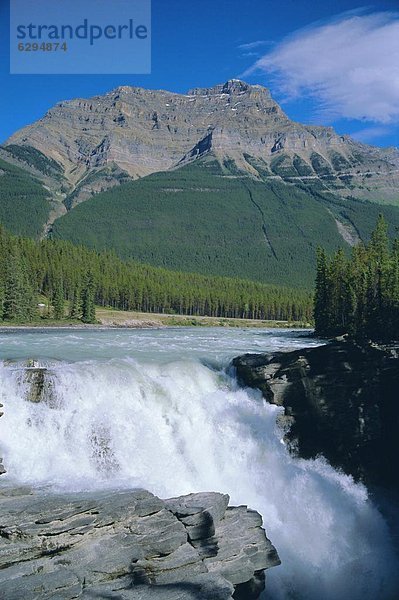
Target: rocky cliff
{"x":132,"y":132}
{"x":130,"y":545}
{"x":340,"y":400}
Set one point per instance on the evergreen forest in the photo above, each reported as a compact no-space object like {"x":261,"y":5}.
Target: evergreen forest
{"x":359,"y":294}
{"x":71,"y":280}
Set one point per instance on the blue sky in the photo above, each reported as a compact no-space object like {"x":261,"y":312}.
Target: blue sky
{"x":329,"y":62}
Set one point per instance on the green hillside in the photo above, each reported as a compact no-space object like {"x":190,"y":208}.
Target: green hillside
{"x":24,"y":204}
{"x":212,"y":220}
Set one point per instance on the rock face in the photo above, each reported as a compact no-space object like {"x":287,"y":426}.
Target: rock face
{"x":39,"y":383}
{"x":340,"y":400}
{"x":132,"y":132}
{"x":130,"y":545}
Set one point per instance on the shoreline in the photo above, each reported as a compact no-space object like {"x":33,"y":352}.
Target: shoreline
{"x":113,"y":319}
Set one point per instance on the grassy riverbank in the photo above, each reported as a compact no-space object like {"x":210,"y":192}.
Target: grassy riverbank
{"x":131,"y":319}
{"x":139,"y":319}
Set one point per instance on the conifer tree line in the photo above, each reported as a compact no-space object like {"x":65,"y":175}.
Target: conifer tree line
{"x":359,"y":295}
{"x":74,"y":279}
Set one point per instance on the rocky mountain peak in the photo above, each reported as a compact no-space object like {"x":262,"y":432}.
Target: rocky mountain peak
{"x":232,"y":87}
{"x":140,"y":131}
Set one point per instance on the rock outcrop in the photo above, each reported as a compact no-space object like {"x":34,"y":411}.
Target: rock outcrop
{"x":130,"y":545}
{"x":340,"y":400}
{"x":37,"y":382}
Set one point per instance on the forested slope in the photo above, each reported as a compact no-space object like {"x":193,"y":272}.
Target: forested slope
{"x":24,"y":204}
{"x":212,"y":219}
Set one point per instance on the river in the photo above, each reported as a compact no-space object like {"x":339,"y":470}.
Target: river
{"x":160,"y":409}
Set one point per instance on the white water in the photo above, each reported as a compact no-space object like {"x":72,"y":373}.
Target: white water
{"x":142,"y":409}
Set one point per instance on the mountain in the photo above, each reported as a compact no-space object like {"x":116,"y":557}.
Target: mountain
{"x":218,"y":180}
{"x":135,"y":132}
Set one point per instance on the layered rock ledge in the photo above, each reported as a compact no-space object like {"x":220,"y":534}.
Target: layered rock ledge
{"x":340,"y":400}
{"x":130,"y":545}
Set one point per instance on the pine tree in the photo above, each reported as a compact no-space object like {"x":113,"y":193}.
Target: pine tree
{"x":378,"y":267}
{"x":75,"y":311}
{"x":1,"y":300}
{"x":321,"y":298}
{"x":357,"y":291}
{"x":58,"y":300}
{"x":19,"y":302}
{"x":379,"y":241}
{"x":88,"y":307}
{"x":338,"y":291}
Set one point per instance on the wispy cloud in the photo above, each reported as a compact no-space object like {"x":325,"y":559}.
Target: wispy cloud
{"x":350,"y":66}
{"x":253,"y":45}
{"x":249,"y":54}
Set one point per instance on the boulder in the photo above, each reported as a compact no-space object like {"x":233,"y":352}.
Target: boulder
{"x":129,"y":545}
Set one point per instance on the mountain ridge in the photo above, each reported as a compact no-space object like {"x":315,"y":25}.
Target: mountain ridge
{"x":132,"y":132}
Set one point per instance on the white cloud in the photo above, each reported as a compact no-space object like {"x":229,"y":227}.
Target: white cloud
{"x":350,"y":66}
{"x":252,"y":45}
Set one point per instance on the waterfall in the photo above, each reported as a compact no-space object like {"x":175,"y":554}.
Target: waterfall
{"x":179,"y":426}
